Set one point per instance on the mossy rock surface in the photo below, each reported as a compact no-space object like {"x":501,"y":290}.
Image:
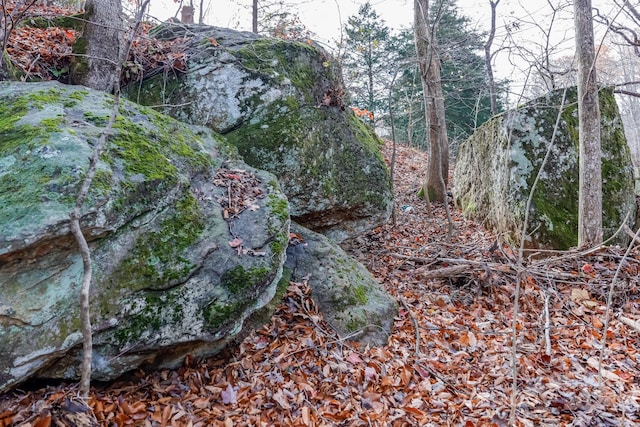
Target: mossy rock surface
{"x":282,"y":104}
{"x":349,"y":297}
{"x":496,"y":168}
{"x":167,"y":281}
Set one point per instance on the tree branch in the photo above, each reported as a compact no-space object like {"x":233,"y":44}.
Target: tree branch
{"x":76,"y":214}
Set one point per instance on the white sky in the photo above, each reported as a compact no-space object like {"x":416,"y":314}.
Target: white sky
{"x":325,"y":17}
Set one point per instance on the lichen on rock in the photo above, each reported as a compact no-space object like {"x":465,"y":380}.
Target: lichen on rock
{"x":496,"y":168}
{"x":167,"y":282}
{"x":282,"y":104}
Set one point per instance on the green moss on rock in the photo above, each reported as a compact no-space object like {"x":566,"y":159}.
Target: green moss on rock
{"x":500,"y":198}
{"x":312,"y":161}
{"x":238,"y":279}
{"x":281,"y":60}
{"x":161,"y":258}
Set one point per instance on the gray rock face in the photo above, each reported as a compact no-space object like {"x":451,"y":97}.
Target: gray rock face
{"x":185,"y":243}
{"x":281,"y":104}
{"x":496,"y":167}
{"x":348,"y":296}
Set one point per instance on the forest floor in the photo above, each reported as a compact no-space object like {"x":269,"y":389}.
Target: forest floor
{"x":449,"y":358}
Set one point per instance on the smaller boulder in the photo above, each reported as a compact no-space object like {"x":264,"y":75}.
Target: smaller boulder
{"x":349,"y":297}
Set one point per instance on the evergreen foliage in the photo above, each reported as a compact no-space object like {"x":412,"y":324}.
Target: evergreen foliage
{"x":365,"y":59}
{"x":371,"y":50}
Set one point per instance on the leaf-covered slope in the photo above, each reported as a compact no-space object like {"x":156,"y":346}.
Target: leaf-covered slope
{"x":295,"y":371}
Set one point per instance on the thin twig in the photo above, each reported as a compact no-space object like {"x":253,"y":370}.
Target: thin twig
{"x":547,"y":325}
{"x":609,"y":302}
{"x":76,"y":214}
{"x":630,"y":233}
{"x":415,"y":325}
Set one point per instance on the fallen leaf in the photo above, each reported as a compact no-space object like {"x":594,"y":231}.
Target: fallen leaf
{"x":596,"y":322}
{"x":306,"y":418}
{"x":354,"y":358}
{"x":229,"y":395}
{"x":282,"y":400}
{"x":588,"y":269}
{"x":235,"y":242}
{"x":579,"y":295}
{"x":370,"y":373}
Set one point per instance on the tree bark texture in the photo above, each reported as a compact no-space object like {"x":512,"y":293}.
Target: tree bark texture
{"x":429,"y":64}
{"x":98,"y":51}
{"x":254,"y":16}
{"x":590,"y":182}
{"x":487,"y":58}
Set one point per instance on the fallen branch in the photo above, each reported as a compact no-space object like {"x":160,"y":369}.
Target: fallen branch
{"x":635,"y":324}
{"x":423,"y":260}
{"x":547,"y":326}
{"x":452,"y":271}
{"x":630,"y":233}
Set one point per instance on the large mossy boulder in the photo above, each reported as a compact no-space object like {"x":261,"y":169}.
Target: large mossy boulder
{"x":349,"y":297}
{"x":281,"y":104}
{"x":186,"y":241}
{"x":497,"y":166}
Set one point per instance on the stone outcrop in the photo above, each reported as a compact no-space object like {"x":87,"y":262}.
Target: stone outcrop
{"x":186,"y":240}
{"x":349,"y":297}
{"x":496,"y":168}
{"x":281,"y":104}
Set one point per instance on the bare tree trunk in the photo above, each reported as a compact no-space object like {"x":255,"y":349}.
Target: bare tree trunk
{"x":487,"y":58}
{"x":99,"y":49}
{"x":429,"y":62}
{"x":393,"y":138}
{"x":254,"y":16}
{"x":590,"y":192}
{"x":370,"y":88}
{"x":186,"y":14}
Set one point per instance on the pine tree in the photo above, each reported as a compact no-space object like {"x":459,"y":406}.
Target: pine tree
{"x":364,"y":63}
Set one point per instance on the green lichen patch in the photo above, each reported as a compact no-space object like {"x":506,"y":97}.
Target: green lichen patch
{"x":215,"y":315}
{"x":336,"y":159}
{"x":243,"y":286}
{"x":141,"y":154}
{"x":40,"y":158}
{"x":146,"y":315}
{"x":238,"y":280}
{"x":280,"y":60}
{"x":160,"y":259}
{"x":75,"y":21}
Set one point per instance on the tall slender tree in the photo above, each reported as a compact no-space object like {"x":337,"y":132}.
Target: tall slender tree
{"x":254,"y":16}
{"x":488,"y":58}
{"x":590,"y":181}
{"x":429,"y":62}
